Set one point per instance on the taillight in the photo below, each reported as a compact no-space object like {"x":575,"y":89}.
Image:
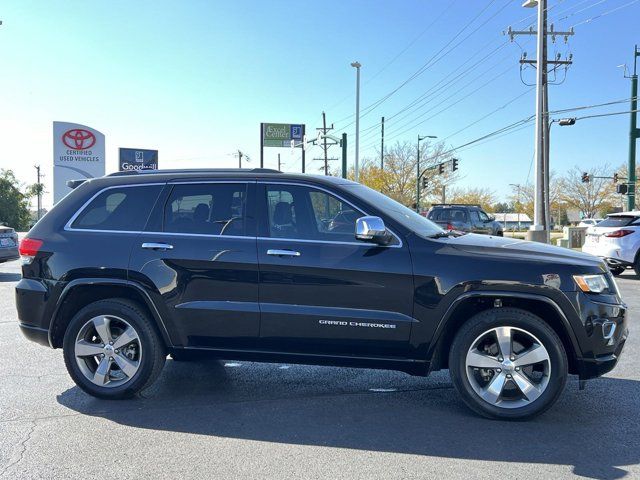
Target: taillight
{"x":450,"y":227}
{"x":28,"y":249}
{"x":619,"y":233}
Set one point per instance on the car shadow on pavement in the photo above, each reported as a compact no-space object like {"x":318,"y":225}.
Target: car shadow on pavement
{"x":596,"y":432}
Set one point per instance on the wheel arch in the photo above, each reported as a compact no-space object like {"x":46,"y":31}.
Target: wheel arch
{"x":79,"y":293}
{"x":467,"y":305}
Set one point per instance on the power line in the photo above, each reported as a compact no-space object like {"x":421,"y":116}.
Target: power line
{"x":589,"y":20}
{"x":432,"y":60}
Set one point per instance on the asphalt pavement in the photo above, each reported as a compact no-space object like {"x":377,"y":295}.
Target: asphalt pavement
{"x":217,"y":419}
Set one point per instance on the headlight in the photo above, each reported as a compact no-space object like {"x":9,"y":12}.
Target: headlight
{"x":592,"y":283}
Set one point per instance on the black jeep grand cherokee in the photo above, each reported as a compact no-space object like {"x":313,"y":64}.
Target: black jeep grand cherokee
{"x":265,"y":266}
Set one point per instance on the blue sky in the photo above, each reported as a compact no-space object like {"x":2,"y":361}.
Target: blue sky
{"x":194,"y":79}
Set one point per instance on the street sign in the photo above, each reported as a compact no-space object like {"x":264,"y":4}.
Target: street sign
{"x":137,"y":159}
{"x":281,"y":134}
{"x":78,"y":153}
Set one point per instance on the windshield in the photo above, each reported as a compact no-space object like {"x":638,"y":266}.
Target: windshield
{"x":398,"y":212}
{"x":619,"y":221}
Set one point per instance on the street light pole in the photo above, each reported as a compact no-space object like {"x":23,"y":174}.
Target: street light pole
{"x":518,"y":186}
{"x":357,"y":66}
{"x":418,"y":171}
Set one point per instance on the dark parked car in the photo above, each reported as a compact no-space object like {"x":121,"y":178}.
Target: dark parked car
{"x":8,"y":244}
{"x":258,"y":265}
{"x":464,"y":218}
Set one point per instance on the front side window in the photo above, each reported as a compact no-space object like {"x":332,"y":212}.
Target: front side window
{"x":298,"y":212}
{"x":483,"y":216}
{"x":207,"y":209}
{"x":119,"y":209}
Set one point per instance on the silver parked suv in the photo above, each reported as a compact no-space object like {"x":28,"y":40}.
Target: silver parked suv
{"x":464,"y":218}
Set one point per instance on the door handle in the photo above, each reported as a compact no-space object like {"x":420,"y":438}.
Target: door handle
{"x":283,"y":253}
{"x":157,"y":246}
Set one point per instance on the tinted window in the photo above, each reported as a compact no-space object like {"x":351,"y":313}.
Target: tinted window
{"x":122,"y":208}
{"x":310,"y":214}
{"x":483,"y":216}
{"x":207,"y":209}
{"x":618,"y":221}
{"x":448,"y":215}
{"x":475,"y":217}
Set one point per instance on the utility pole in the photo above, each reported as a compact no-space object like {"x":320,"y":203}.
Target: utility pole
{"x":539,"y":231}
{"x":382,"y":145}
{"x":444,"y":194}
{"x":279,"y":164}
{"x":634,"y":133}
{"x":240,"y":154}
{"x":39,"y":187}
{"x":325,"y":146}
{"x":357,"y":66}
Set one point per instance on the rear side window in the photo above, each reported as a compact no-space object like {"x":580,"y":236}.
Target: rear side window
{"x":207,"y":209}
{"x":619,"y":221}
{"x":119,"y":209}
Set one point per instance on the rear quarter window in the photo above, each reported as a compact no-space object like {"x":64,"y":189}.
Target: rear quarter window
{"x":118,"y":209}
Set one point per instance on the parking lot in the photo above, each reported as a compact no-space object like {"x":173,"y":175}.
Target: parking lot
{"x":234,"y":419}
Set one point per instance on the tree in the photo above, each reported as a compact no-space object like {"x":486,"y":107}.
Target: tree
{"x":398,"y":178}
{"x":591,"y":197}
{"x":474,"y":196}
{"x":14,"y":204}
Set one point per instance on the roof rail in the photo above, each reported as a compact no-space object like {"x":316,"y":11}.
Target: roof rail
{"x":455,"y":205}
{"x":193,"y":170}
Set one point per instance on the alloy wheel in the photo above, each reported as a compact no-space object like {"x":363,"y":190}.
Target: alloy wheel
{"x":508,"y":367}
{"x":108,"y":351}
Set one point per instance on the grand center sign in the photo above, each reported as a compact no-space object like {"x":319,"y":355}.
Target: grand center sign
{"x":78,"y":153}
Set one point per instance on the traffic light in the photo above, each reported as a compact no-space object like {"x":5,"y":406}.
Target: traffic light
{"x":585,"y":177}
{"x":454,"y":165}
{"x":622,"y":188}
{"x":441,"y":168}
{"x":615,"y":178}
{"x":424,"y":182}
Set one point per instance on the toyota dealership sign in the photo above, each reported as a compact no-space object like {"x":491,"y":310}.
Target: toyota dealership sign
{"x":78,"y":153}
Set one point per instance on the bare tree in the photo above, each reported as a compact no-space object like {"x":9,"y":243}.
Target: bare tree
{"x":398,"y":178}
{"x":589,"y":197}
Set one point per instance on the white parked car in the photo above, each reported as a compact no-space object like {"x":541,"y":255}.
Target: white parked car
{"x":617,"y":240}
{"x":589,"y":222}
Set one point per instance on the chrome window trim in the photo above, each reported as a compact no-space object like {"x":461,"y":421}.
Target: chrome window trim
{"x":300,"y":184}
{"x":69,"y":228}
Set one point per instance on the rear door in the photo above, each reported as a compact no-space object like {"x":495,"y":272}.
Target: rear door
{"x":322,"y":291}
{"x":198,"y":255}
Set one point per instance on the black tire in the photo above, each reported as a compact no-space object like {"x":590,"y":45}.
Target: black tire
{"x":617,"y":270}
{"x":499,"y":233}
{"x":508,"y":317}
{"x":636,"y":264}
{"x":153,"y":348}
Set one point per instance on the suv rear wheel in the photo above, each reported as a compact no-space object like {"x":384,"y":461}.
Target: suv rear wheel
{"x":111,"y":349}
{"x":507,"y":363}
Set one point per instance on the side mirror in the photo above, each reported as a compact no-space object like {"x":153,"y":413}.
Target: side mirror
{"x":490,"y":219}
{"x":372,"y":229}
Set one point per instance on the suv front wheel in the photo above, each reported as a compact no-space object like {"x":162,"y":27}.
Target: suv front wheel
{"x":112,"y":350}
{"x":507,"y":363}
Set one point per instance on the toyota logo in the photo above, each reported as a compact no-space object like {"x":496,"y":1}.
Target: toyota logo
{"x":78,"y":139}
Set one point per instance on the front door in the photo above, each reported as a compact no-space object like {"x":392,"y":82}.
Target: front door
{"x":321,"y":290}
{"x":199,"y":257}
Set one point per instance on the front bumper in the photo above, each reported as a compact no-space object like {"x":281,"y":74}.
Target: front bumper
{"x":606,"y":331}
{"x":596,"y":367}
